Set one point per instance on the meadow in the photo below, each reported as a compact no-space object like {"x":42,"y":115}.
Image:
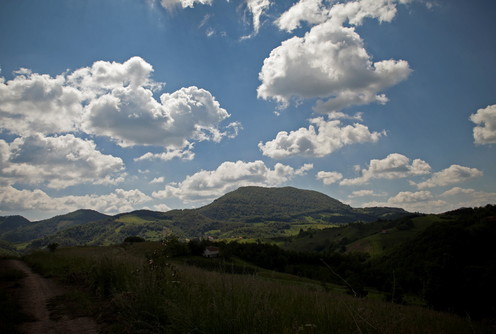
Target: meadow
{"x":140,"y":288}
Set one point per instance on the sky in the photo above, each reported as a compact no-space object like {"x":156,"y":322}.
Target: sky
{"x":120,"y":105}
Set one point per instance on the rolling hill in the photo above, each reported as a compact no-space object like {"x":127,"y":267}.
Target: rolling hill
{"x":258,"y":202}
{"x":249,"y":212}
{"x":28,"y":231}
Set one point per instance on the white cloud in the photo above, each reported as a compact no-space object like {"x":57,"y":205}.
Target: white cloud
{"x":157,"y":180}
{"x":32,"y":102}
{"x":161,"y":207}
{"x":470,"y":197}
{"x":354,"y":12}
{"x":58,"y":162}
{"x":12,"y":199}
{"x":329,"y":177}
{"x":205,"y":185}
{"x":451,"y":175}
{"x":169,"y":154}
{"x":365,"y":193}
{"x":421,"y":201}
{"x":115,"y":100}
{"x":257,"y":9}
{"x":318,"y":140}
{"x":133,"y":117}
{"x":485,"y":131}
{"x":409,"y":197}
{"x":311,"y":11}
{"x":394,"y":166}
{"x":172,"y":4}
{"x":330,"y":62}
{"x":104,"y":76}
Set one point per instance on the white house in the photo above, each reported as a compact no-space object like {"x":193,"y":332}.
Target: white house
{"x":211,"y":251}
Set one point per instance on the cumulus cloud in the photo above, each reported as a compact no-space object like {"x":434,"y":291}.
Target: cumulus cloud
{"x":451,"y":175}
{"x":311,"y":11}
{"x":57,"y":162}
{"x":115,"y":100}
{"x":329,"y":177}
{"x":330,"y":60}
{"x":485,"y":131}
{"x":12,"y":199}
{"x":318,"y":140}
{"x":205,"y":184}
{"x":32,"y":102}
{"x":409,"y":197}
{"x":133,"y":117}
{"x":394,"y":166}
{"x":352,"y":12}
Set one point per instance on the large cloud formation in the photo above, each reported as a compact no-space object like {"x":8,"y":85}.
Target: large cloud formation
{"x":330,"y":60}
{"x":114,"y":100}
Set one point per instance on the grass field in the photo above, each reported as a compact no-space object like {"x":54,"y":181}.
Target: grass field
{"x":137,"y":289}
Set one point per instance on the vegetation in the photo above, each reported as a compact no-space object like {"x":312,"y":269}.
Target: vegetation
{"x":249,"y":212}
{"x":11,"y":314}
{"x":451,"y":264}
{"x":291,"y":261}
{"x":27,"y":231}
{"x":140,"y":288}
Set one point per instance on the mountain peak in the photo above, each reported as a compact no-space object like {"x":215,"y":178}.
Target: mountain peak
{"x":255,"y":201}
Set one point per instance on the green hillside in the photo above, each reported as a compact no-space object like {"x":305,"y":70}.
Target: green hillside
{"x":248,"y":213}
{"x":250,"y":203}
{"x":35,"y":230}
{"x":374,"y":238}
{"x":10,"y":223}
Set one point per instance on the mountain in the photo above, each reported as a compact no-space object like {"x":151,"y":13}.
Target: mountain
{"x":10,"y":223}
{"x":35,"y":230}
{"x":248,"y":212}
{"x":259,"y":202}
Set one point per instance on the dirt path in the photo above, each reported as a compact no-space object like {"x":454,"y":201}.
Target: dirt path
{"x":34,"y":293}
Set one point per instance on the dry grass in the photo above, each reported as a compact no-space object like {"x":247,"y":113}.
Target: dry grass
{"x":141,"y":297}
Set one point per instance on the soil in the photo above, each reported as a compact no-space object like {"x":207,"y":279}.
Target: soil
{"x":34,"y":293}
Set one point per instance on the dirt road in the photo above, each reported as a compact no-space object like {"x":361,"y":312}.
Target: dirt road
{"x":34,"y":293}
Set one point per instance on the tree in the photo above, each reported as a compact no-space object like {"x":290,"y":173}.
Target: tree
{"x":53,"y":246}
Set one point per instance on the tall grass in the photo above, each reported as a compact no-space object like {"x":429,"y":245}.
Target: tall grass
{"x":139,"y":296}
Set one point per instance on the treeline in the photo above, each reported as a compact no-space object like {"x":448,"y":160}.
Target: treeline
{"x":337,"y":268}
{"x":451,"y":265}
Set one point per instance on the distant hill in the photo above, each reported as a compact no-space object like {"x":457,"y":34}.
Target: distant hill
{"x":248,"y":212}
{"x":35,"y":230}
{"x":9,"y":223}
{"x":259,"y":202}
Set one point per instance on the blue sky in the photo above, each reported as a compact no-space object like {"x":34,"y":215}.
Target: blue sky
{"x":130,"y":104}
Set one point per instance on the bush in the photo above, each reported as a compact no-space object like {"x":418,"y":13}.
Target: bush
{"x":134,"y":239}
{"x":53,"y":246}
